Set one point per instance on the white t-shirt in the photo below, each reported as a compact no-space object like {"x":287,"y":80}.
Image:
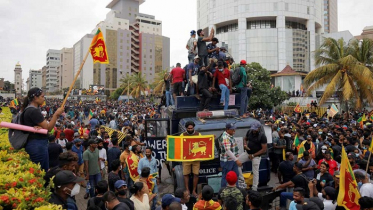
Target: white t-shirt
{"x":144,"y":205}
{"x":190,"y":44}
{"x":366,"y":190}
{"x":102,"y":154}
{"x":62,"y":143}
{"x":184,"y":207}
{"x":328,"y":204}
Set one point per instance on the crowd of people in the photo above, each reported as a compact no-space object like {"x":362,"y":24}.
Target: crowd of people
{"x":119,"y":171}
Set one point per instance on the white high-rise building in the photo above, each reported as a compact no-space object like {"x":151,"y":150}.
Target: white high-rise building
{"x":53,"y":59}
{"x":134,"y":44}
{"x":273,"y":33}
{"x":18,"y":79}
{"x":34,"y":79}
{"x":331,"y":16}
{"x":65,"y":72}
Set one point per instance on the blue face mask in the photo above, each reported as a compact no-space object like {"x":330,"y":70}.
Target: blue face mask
{"x":364,"y":148}
{"x":320,"y":132}
{"x":359,"y":184}
{"x":278,"y":129}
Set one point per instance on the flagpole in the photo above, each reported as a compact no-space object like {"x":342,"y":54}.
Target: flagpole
{"x":366,"y":169}
{"x":76,"y":77}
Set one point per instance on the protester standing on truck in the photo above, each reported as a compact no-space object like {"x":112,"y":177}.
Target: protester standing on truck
{"x":255,"y":145}
{"x":202,"y":48}
{"x":191,"y":166}
{"x":192,"y":46}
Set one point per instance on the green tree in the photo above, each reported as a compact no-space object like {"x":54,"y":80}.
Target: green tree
{"x":341,"y":71}
{"x":115,"y":95}
{"x":135,"y":84}
{"x":159,"y":85}
{"x":263,"y":96}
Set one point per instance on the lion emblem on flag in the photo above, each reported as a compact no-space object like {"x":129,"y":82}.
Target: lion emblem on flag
{"x":199,"y":147}
{"x":99,"y":51}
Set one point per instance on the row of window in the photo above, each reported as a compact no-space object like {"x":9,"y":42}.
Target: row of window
{"x":261,"y":24}
{"x":227,"y":28}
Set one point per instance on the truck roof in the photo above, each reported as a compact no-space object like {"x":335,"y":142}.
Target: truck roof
{"x":217,"y":123}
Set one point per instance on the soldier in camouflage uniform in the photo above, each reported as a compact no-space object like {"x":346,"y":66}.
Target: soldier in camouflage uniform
{"x":232,"y":191}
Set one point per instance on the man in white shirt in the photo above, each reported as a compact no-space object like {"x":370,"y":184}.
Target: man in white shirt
{"x":366,"y":188}
{"x":102,"y":157}
{"x":192,"y":46}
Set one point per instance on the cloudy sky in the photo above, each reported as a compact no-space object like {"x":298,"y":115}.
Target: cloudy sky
{"x":31,"y":27}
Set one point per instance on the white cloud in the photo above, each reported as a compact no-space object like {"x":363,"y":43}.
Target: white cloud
{"x":31,"y":27}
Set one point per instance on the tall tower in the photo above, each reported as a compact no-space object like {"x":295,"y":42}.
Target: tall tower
{"x":330,"y":16}
{"x":18,"y":79}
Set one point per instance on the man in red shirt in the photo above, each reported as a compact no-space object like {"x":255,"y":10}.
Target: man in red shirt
{"x":178,"y":76}
{"x":333,"y":166}
{"x":69,"y":133}
{"x":224,"y":82}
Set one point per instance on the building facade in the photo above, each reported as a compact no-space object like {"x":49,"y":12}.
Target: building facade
{"x":53,"y":59}
{"x":18,"y":79}
{"x":330,"y":16}
{"x":65,"y":72}
{"x":1,"y":83}
{"x":366,"y":34}
{"x":79,"y":51}
{"x":44,"y":78}
{"x":271,"y":32}
{"x":35,"y":79}
{"x":134,"y":44}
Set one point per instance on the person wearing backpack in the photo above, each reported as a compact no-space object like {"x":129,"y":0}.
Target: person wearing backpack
{"x":37,"y":144}
{"x":239,"y":79}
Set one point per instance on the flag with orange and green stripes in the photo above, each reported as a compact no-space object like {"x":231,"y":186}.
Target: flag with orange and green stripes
{"x":190,"y":148}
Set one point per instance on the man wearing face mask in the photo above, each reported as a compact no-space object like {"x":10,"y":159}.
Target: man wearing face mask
{"x":191,"y":166}
{"x":121,"y":193}
{"x":365,"y":187}
{"x":112,"y":203}
{"x":66,"y":185}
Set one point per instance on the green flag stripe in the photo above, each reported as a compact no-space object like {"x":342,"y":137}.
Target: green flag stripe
{"x":171,"y":148}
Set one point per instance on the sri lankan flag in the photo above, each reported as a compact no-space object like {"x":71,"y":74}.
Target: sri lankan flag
{"x":297,"y":109}
{"x":190,"y":148}
{"x":98,"y":48}
{"x":90,"y":114}
{"x":349,"y":195}
{"x":16,"y":102}
{"x":296,"y":142}
{"x":132,"y":162}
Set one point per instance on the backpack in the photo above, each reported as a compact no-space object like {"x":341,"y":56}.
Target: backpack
{"x":236,"y":76}
{"x":18,"y":138}
{"x":217,"y":146}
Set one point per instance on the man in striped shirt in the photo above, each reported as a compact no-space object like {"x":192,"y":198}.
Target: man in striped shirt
{"x":229,"y":152}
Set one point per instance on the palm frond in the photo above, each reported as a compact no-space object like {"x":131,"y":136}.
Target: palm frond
{"x":319,"y":73}
{"x":331,"y":87}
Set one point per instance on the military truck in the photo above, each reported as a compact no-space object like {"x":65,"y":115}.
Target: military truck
{"x":173,"y":123}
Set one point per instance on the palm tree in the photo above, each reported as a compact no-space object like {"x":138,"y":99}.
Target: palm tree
{"x":135,"y":84}
{"x":158,"y":83}
{"x":362,"y":50}
{"x":341,"y":71}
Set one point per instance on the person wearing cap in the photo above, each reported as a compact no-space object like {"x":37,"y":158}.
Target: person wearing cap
{"x":66,"y":185}
{"x":121,"y":193}
{"x":206,"y":203}
{"x":177,"y":76}
{"x":255,"y":144}
{"x":191,"y":46}
{"x":191,"y":166}
{"x":92,"y":165}
{"x":201,"y":45}
{"x":229,"y":152}
{"x":167,"y":200}
{"x":78,"y":149}
{"x":212,"y":49}
{"x":223,"y":76}
{"x":232,"y":191}
{"x":112,"y":203}
{"x":243,"y":87}
{"x":192,"y":70}
{"x":298,"y":181}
